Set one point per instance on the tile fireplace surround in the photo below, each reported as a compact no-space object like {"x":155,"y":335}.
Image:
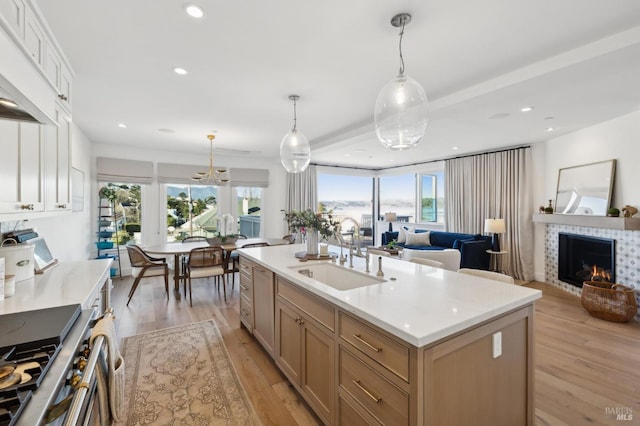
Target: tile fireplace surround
{"x":627,"y":248}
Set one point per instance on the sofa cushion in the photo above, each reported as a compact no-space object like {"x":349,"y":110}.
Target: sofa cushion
{"x":458,"y":243}
{"x":387,"y":237}
{"x":417,"y":239}
{"x":447,"y":239}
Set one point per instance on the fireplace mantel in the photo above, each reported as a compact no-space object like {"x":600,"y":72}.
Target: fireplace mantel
{"x":624,"y":223}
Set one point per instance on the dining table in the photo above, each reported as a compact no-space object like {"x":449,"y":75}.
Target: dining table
{"x":178,"y":249}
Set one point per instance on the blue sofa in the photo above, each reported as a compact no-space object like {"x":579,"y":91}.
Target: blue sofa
{"x":473,"y":247}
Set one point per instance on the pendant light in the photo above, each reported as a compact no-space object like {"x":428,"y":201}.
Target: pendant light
{"x":215,"y":176}
{"x":295,"y":151}
{"x":401,"y":107}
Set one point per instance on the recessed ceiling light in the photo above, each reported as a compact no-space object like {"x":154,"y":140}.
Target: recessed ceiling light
{"x":499,"y":116}
{"x":526,"y":109}
{"x":455,"y":148}
{"x":194,"y":11}
{"x":180,"y":71}
{"x":347,"y":155}
{"x":166,"y":130}
{"x":360,"y":150}
{"x":549,"y":129}
{"x":122,"y":126}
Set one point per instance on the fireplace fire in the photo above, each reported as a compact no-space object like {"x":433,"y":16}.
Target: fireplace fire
{"x":582,"y":258}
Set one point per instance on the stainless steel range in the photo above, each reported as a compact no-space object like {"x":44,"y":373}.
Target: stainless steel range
{"x":44,"y":353}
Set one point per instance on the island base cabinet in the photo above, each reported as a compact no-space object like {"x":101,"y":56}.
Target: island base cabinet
{"x":465,"y":380}
{"x":305,"y":354}
{"x":263,"y":299}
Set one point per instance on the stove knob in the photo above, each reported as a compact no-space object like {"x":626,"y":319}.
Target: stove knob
{"x":81,"y":363}
{"x":75,"y":379}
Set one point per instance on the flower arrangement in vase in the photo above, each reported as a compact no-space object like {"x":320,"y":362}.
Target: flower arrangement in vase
{"x":312,"y":225}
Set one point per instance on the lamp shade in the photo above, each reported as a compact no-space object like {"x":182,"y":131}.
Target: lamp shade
{"x":400,"y":114}
{"x":495,"y":226}
{"x":390,"y":217}
{"x":295,"y":152}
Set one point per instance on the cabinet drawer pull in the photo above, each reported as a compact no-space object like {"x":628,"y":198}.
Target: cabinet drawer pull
{"x":61,"y":206}
{"x":26,"y":207}
{"x":369,"y":394}
{"x":364,"y":342}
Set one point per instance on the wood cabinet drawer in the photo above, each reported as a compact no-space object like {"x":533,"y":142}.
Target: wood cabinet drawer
{"x":246,"y":312}
{"x":349,"y":415}
{"x":311,"y":305}
{"x":381,"y":398}
{"x":246,"y":267}
{"x":389,"y":353}
{"x":246,"y":287}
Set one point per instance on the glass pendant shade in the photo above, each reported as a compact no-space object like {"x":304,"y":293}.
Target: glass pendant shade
{"x":295,"y":152}
{"x":401,"y":113}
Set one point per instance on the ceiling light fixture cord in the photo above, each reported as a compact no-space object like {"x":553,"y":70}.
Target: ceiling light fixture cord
{"x":295,"y":117}
{"x":400,"y":47}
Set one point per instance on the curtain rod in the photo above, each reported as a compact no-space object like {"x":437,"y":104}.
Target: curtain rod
{"x":423,"y":162}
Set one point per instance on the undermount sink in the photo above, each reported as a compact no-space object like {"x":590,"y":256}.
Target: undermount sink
{"x":336,"y":276}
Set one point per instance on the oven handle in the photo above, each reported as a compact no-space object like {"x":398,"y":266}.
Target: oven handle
{"x":83,"y":387}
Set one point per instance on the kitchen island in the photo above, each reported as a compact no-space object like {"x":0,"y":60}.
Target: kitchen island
{"x":419,"y":345}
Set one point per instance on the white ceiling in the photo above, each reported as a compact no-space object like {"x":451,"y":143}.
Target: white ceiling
{"x":577,"y":61}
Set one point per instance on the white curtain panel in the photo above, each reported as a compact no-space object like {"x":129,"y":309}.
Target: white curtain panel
{"x":494,"y":185}
{"x":302,"y":190}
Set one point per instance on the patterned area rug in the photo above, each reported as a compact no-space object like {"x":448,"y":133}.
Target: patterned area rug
{"x":183,"y":376}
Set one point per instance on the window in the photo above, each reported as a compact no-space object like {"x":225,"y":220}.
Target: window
{"x":128,"y":211}
{"x":398,"y":195}
{"x":191,"y":210}
{"x":350,"y":198}
{"x":249,"y":203}
{"x":432,"y":197}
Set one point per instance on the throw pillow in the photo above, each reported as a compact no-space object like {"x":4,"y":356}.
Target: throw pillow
{"x":420,"y":239}
{"x":402,"y":237}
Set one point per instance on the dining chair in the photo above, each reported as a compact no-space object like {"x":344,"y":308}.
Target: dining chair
{"x":190,"y":239}
{"x":289,"y":237}
{"x":428,"y":262}
{"x":488,"y":274}
{"x":145,"y":266}
{"x":206,"y":262}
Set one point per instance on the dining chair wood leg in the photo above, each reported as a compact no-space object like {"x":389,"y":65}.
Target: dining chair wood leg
{"x":224,"y":287}
{"x":185,"y":292}
{"x":134,"y":286}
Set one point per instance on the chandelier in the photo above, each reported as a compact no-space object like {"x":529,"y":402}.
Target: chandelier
{"x":215,"y":176}
{"x":400,"y":114}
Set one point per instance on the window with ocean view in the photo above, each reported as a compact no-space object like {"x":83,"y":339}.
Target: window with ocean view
{"x":398,"y":195}
{"x":351,"y":199}
{"x":432,"y":197}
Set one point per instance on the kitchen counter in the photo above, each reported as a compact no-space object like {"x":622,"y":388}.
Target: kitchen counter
{"x":66,"y":284}
{"x":416,"y":303}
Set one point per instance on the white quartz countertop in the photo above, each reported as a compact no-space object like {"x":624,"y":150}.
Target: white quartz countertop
{"x":419,"y":304}
{"x":66,"y":284}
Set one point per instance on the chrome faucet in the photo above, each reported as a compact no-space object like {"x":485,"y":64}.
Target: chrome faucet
{"x":356,"y":235}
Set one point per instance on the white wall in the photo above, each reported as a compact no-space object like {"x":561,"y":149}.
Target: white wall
{"x":614,"y":139}
{"x":70,"y":237}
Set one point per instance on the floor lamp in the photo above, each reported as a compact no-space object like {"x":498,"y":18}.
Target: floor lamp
{"x":495,"y":227}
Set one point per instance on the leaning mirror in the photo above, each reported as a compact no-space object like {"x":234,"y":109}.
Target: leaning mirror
{"x":586,"y":189}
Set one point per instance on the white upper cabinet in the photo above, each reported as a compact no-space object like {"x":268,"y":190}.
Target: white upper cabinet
{"x":21,"y":174}
{"x":13,"y":13}
{"x":58,"y":164}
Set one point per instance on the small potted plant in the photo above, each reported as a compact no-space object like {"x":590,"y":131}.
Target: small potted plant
{"x":549,"y":208}
{"x":613,"y":212}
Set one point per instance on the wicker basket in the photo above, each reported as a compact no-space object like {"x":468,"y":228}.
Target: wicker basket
{"x":609,"y":301}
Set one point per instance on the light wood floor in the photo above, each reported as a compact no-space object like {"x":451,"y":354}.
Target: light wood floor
{"x":585,"y":367}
